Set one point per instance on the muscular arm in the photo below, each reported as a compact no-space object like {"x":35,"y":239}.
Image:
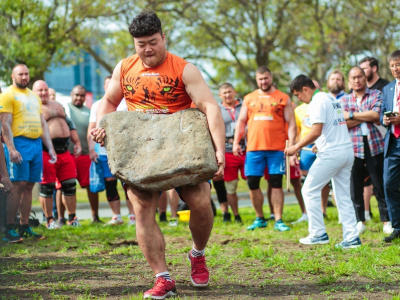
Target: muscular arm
{"x":202,"y":97}
{"x":46,"y":139}
{"x":92,"y":153}
{"x":109,"y":103}
{"x":240,"y":130}
{"x":113,"y":96}
{"x":290,"y":119}
{"x":77,"y":143}
{"x":6,"y":121}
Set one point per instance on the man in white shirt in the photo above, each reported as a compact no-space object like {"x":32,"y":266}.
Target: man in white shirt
{"x":334,"y":161}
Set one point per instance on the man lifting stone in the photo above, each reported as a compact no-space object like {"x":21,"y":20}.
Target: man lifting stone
{"x":135,"y":78}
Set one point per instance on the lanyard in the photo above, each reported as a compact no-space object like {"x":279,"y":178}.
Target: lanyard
{"x":231,"y":112}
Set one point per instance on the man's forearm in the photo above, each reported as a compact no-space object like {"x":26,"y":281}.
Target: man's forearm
{"x":366,"y":116}
{"x":8,"y":137}
{"x":75,"y":138}
{"x":46,"y":139}
{"x":353,"y":123}
{"x":239,"y":131}
{"x":217,"y":129}
{"x":292,"y":134}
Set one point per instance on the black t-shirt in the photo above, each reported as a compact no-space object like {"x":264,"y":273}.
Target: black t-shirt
{"x":379,"y":85}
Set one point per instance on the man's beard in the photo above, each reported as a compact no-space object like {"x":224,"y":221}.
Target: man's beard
{"x":22,"y":86}
{"x":370,"y":76}
{"x":335,"y":88}
{"x":267,"y":89}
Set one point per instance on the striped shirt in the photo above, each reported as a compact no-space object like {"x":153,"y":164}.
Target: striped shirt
{"x":372,"y":100}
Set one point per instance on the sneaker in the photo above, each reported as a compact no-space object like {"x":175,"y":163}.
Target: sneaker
{"x":349,"y":244}
{"x":395,"y":235}
{"x":387,"y":228}
{"x":200,"y":274}
{"x":315,"y":240}
{"x":162,"y":289}
{"x":271,"y":218}
{"x":227,"y":217}
{"x":361,"y":227}
{"x":52,"y":225}
{"x":279,"y":225}
{"x":97,"y":221}
{"x":74,"y":222}
{"x":238,"y":219}
{"x":26,"y":231}
{"x":132,"y":220}
{"x":258,"y":223}
{"x":11,"y":236}
{"x":173,"y":223}
{"x":303,"y":218}
{"x":62,"y":222}
{"x":114,"y":221}
{"x":367,"y":216}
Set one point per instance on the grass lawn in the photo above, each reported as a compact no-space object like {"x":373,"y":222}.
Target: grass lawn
{"x":81,"y":194}
{"x":97,"y":262}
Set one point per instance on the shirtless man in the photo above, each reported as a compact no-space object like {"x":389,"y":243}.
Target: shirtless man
{"x":61,"y":131}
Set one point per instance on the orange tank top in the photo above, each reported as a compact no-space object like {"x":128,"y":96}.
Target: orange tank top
{"x":266,"y":125}
{"x":158,"y":90}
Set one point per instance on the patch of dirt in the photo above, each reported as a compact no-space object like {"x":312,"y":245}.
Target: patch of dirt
{"x":72,"y":275}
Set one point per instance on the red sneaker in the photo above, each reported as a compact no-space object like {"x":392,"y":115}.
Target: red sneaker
{"x":161,"y":290}
{"x":200,"y":274}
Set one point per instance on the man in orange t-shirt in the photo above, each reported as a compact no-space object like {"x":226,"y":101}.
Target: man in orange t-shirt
{"x":156,"y":81}
{"x":266,"y":111}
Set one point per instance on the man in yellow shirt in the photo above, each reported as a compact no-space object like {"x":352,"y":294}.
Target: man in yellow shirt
{"x":24,"y":130}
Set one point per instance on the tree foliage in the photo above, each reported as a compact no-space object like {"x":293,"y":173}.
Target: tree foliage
{"x":226,"y":39}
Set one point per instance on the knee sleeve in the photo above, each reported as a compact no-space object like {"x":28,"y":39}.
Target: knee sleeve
{"x":276,"y":181}
{"x":111,"y":190}
{"x":221,"y":191}
{"x":68,"y":187}
{"x":253,"y":182}
{"x":46,"y":190}
{"x":231,"y":186}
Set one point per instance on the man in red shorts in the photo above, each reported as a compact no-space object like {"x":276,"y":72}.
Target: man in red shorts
{"x":172,"y":84}
{"x":64,"y":168}
{"x":230,"y":109}
{"x":80,"y":114}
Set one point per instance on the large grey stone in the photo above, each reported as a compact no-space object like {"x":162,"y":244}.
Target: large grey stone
{"x":159,"y":152}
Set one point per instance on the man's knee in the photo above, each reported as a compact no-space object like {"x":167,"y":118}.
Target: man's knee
{"x":276,"y":181}
{"x":253,"y":182}
{"x":68,"y":187}
{"x":111,"y":191}
{"x":46,"y":190}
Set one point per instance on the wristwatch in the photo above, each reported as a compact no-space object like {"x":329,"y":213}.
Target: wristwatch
{"x":351,"y":115}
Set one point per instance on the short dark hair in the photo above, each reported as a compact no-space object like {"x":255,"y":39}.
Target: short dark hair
{"x":373,"y":62}
{"x":301,"y":81}
{"x":395,"y":55}
{"x":107,"y":77}
{"x":145,"y":24}
{"x":79,"y":87}
{"x":262,"y":70}
{"x":356,"y":67}
{"x":226,"y":85}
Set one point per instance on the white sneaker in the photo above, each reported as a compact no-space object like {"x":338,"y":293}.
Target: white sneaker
{"x":132,"y":220}
{"x":303,"y":218}
{"x":361,"y":227}
{"x":367,"y":216}
{"x":315,"y":240}
{"x":54,"y":225}
{"x":115,"y":221}
{"x":173,"y":223}
{"x":387,"y":228}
